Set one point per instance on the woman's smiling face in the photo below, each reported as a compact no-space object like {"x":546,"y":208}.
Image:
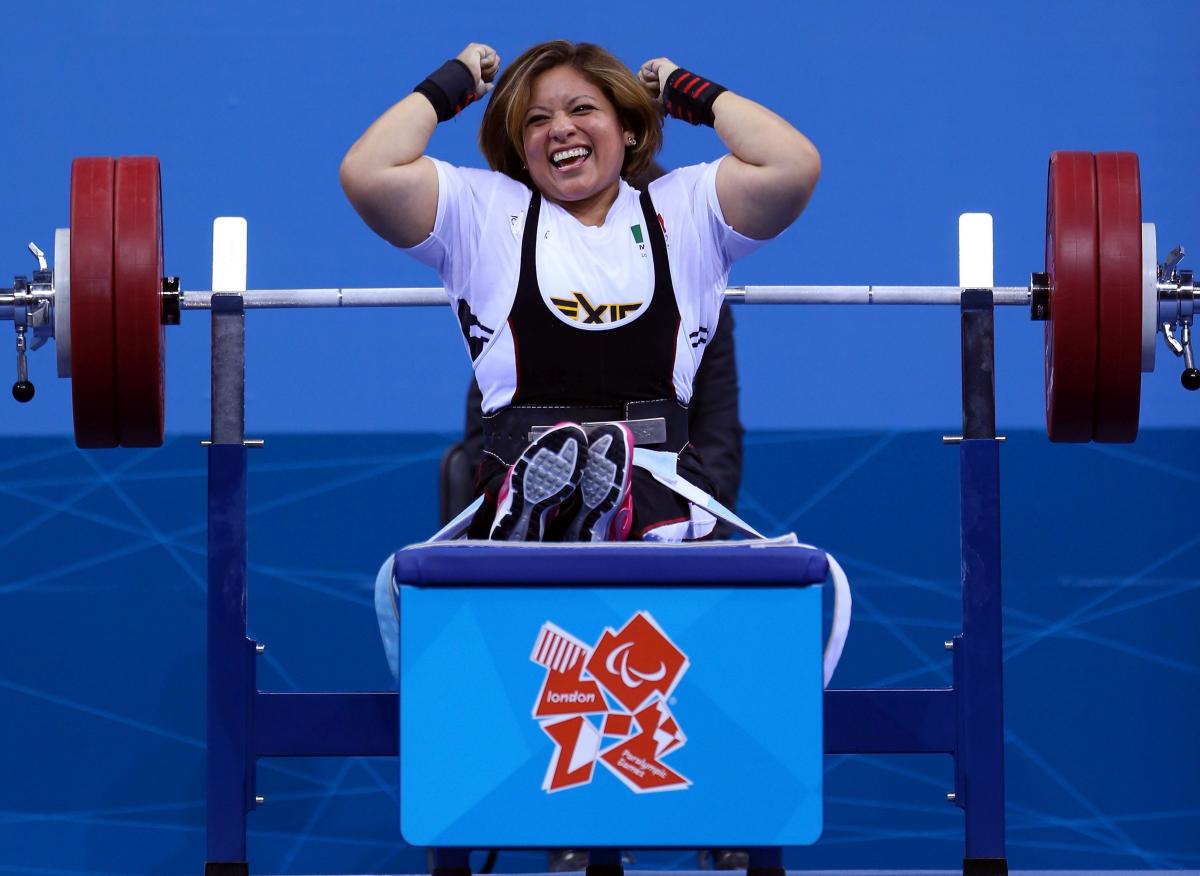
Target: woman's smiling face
{"x":574,"y":143}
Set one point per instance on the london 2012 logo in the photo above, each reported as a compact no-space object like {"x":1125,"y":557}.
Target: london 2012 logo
{"x":608,"y":704}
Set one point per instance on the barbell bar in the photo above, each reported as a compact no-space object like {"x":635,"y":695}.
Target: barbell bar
{"x":1103,"y":297}
{"x":419,"y":296}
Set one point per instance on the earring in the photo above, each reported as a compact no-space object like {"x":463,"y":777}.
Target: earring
{"x":631,"y":141}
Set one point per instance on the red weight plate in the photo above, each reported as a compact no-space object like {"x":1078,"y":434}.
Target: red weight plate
{"x":1119,"y":357}
{"x":1071,"y":264}
{"x":93,"y":363}
{"x":137,"y":274}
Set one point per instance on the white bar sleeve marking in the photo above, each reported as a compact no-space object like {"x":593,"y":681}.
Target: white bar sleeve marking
{"x":975,"y":251}
{"x":229,"y":254}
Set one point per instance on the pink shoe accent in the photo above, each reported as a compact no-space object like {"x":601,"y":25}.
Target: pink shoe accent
{"x":622,"y":520}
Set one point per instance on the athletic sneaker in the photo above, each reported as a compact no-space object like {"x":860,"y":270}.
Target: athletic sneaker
{"x":546,"y":473}
{"x":602,"y":508}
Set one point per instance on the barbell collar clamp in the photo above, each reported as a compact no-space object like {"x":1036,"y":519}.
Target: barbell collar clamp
{"x":1176,"y":290}
{"x":16,"y":301}
{"x":28,"y":302}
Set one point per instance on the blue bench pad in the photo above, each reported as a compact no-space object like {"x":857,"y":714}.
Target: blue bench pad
{"x":771,"y":563}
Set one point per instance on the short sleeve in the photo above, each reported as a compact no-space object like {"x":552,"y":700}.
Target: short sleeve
{"x":693,"y":189}
{"x":732,"y":244}
{"x":464,"y":197}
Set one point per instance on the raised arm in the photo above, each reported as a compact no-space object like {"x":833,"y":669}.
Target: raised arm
{"x":773,"y":168}
{"x":385,"y":175}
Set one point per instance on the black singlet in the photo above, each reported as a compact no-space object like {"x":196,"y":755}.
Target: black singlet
{"x":557,"y":364}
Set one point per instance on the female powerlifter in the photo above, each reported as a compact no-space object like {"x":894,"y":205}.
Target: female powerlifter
{"x":585,"y":305}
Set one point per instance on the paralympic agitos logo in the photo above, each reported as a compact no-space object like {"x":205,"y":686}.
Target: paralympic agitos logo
{"x":625,"y":680}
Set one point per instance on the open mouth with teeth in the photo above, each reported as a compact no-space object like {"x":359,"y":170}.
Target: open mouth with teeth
{"x":568,"y":159}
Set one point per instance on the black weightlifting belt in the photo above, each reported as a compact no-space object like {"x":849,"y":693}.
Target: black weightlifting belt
{"x":661,"y":424}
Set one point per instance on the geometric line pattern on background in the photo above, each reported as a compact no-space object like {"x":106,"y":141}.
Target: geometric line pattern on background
{"x":102,"y":606}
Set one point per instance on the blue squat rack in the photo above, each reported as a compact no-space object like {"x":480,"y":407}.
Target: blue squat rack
{"x":965,"y":721}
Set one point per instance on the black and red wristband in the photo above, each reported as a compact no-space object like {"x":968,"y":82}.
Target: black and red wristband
{"x":449,"y":88}
{"x":690,"y":97}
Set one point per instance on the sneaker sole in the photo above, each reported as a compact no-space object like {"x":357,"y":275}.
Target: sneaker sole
{"x":602,"y":485}
{"x":547,"y":472}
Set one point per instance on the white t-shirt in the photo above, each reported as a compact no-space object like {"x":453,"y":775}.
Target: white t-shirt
{"x":592,"y":278}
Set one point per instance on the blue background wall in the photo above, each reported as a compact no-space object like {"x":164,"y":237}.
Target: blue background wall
{"x":102,"y":646}
{"x":921,"y":110}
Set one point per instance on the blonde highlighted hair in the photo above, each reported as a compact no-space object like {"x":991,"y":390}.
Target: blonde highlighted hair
{"x":501,"y":135}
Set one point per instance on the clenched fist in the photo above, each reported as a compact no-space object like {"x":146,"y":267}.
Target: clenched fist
{"x":483,"y":62}
{"x":653,"y":75}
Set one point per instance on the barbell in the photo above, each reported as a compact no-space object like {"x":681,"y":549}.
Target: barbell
{"x":1103,"y":297}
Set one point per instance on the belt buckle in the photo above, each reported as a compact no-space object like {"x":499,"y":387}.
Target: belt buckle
{"x":650,"y":431}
